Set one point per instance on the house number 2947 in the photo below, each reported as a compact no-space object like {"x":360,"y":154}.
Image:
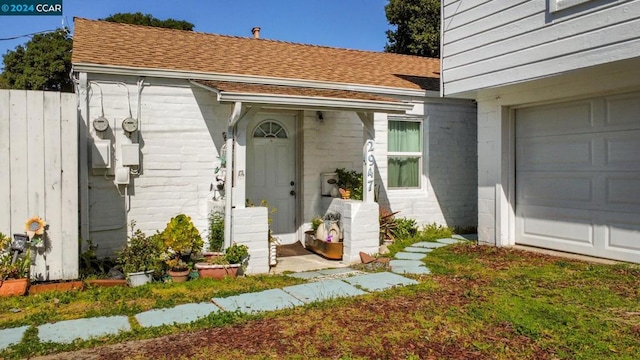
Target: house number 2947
{"x":369,"y":161}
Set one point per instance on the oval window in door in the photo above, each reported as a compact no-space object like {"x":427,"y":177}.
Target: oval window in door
{"x":270,"y":129}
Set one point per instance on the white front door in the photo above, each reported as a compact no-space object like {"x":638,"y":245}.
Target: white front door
{"x":271,"y":171}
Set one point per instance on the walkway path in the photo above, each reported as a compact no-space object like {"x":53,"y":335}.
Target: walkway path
{"x":409,"y":261}
{"x":322,"y":285}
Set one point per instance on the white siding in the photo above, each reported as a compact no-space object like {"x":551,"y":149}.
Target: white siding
{"x":492,"y":43}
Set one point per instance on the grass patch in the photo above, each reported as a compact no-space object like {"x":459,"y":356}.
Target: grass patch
{"x":481,"y":302}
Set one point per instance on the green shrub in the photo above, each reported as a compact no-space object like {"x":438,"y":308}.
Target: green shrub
{"x":181,"y":236}
{"x":179,"y":239}
{"x":142,"y":253}
{"x":405,"y":228}
{"x":235,"y":253}
{"x":216,"y":231}
{"x":433,"y":232}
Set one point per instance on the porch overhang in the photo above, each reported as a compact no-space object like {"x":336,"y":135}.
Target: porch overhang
{"x":293,"y":97}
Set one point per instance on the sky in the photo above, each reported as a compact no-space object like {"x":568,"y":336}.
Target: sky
{"x":354,"y":24}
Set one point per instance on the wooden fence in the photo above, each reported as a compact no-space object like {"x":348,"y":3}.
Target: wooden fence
{"x":39,"y":174}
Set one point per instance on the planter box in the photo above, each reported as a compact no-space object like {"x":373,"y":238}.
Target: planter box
{"x":59,"y":286}
{"x":13,"y":287}
{"x":329,"y":250}
{"x":212,"y":271}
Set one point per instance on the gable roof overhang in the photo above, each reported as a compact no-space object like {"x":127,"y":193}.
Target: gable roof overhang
{"x":251,"y":79}
{"x":297,"y":97}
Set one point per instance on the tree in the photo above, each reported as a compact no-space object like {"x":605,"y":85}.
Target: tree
{"x":148,"y":20}
{"x":43,"y":63}
{"x":417,"y":27}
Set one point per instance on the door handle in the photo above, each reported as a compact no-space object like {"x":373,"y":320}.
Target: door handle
{"x":292,"y":193}
{"x":292,"y":183}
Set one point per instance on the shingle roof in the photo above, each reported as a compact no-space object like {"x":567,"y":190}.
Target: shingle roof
{"x":234,"y":87}
{"x":106,"y":43}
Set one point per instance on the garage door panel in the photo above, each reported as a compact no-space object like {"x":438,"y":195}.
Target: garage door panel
{"x":622,"y":150}
{"x":572,"y":190}
{"x":555,"y":153}
{"x":543,"y":120}
{"x":623,"y":110}
{"x":578,"y":186}
{"x":622,"y":235}
{"x":623,"y":194}
{"x":566,"y":226}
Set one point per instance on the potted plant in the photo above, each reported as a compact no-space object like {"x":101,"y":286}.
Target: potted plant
{"x":326,"y":237}
{"x":180,"y":239}
{"x":349,"y":184}
{"x":140,"y":258}
{"x":14,"y":267}
{"x":226,"y":265}
{"x":215,"y":236}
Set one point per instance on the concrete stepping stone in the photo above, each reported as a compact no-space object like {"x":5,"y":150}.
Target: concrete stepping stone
{"x":181,"y":314}
{"x":468,"y":237}
{"x":413,"y":270}
{"x":416,"y":249}
{"x":379,"y":281}
{"x":428,"y":244}
{"x":11,"y":336}
{"x":450,"y":241}
{"x":322,"y":290}
{"x":337,"y":271}
{"x":306,"y":275}
{"x":268,"y":300}
{"x":410,"y":256}
{"x":405,"y":263}
{"x":67,"y":331}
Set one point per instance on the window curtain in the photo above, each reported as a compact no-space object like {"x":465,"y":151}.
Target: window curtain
{"x":404,"y":136}
{"x":403,"y":172}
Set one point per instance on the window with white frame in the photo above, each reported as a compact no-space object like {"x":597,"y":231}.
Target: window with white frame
{"x":404,"y":153}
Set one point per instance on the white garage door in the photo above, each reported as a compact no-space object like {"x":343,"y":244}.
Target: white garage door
{"x":578,"y":177}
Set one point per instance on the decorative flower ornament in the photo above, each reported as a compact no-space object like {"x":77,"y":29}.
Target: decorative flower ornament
{"x":35,"y":228}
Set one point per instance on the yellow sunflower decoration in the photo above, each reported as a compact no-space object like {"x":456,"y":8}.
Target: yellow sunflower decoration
{"x":35,"y":227}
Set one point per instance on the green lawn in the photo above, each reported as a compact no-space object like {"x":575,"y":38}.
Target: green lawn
{"x":481,"y":302}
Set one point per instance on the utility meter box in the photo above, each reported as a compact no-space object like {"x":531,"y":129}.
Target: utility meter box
{"x":130,"y":155}
{"x":101,"y":154}
{"x":122,"y":176}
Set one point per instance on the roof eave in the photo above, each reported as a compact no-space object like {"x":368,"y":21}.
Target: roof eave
{"x":292,"y":101}
{"x":180,"y":74}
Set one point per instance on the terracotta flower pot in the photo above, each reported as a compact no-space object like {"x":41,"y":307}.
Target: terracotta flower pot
{"x":179,"y":276}
{"x":13,"y":287}
{"x":217,"y":271}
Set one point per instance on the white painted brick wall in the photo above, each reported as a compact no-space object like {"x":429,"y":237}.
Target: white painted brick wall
{"x":359,"y":222}
{"x":178,"y":153}
{"x":181,"y":135}
{"x":488,"y":170}
{"x":449,"y":196}
{"x":250,"y":227}
{"x":336,"y":142}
